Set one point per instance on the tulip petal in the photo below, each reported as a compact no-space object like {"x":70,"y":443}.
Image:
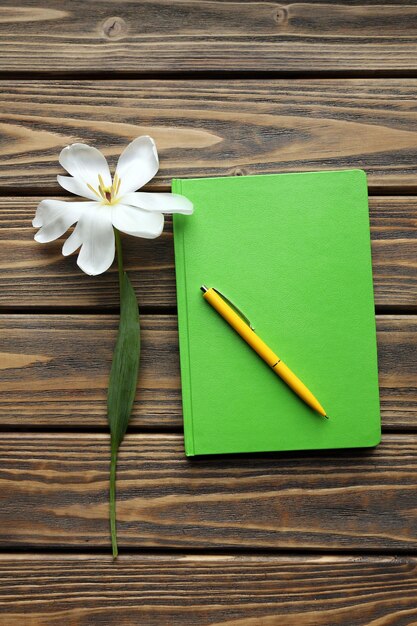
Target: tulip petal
{"x":94,"y":233}
{"x":77,"y":187}
{"x":37,"y":221}
{"x":54,"y":217}
{"x":160,"y":202}
{"x":85,"y":163}
{"x":137,"y":164}
{"x":73,"y":242}
{"x":137,"y":222}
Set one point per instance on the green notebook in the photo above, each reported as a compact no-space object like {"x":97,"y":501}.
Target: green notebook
{"x":293,"y":252}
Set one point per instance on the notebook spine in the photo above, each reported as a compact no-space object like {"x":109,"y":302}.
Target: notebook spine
{"x":181,"y":283}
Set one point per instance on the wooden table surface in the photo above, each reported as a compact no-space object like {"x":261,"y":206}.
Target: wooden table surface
{"x":225,"y":88}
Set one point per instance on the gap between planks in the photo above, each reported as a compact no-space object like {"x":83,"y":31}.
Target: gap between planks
{"x":220,"y":75}
{"x":88,"y":552}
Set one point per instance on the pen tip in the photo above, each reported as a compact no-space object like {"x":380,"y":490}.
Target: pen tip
{"x":204,"y":288}
{"x":326,"y":416}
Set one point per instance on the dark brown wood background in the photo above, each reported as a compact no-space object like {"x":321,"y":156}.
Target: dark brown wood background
{"x":229,"y":88}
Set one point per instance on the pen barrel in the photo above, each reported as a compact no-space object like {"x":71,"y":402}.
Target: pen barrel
{"x":298,"y":387}
{"x":260,"y":347}
{"x":241,"y":327}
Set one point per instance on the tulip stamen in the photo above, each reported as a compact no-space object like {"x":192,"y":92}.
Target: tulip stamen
{"x":106,"y":193}
{"x":93,"y":190}
{"x":116,"y":184}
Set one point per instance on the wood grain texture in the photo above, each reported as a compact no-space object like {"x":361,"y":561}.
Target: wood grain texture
{"x":54,"y":367}
{"x":196,"y":590}
{"x":397,"y":370}
{"x":55,"y":493}
{"x":208,"y":128}
{"x":54,"y":371}
{"x":167,"y":36}
{"x":37,"y":275}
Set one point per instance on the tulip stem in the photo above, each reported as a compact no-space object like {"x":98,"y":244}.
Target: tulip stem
{"x":113,"y":531}
{"x":114,"y":444}
{"x":119,"y":257}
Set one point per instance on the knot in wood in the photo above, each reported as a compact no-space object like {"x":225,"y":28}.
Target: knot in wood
{"x":114,"y":28}
{"x":281,"y":16}
{"x":238,"y":171}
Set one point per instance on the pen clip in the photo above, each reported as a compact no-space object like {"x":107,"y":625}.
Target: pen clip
{"x":246,"y":319}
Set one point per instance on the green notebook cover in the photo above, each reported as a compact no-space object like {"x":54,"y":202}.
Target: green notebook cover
{"x":293,"y":252}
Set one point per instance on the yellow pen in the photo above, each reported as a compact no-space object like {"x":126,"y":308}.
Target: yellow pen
{"x":245,"y":330}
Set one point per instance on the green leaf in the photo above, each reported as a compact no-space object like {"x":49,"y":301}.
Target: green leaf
{"x":122,"y":384}
{"x":124,"y":369}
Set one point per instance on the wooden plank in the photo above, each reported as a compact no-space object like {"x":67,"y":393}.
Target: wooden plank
{"x":55,"y":371}
{"x":35,"y":275}
{"x":207,"y":128}
{"x":166,"y":36}
{"x":397,"y":339}
{"x":49,"y":360}
{"x":55,"y":368}
{"x":55,"y":493}
{"x":197,"y":590}
{"x":394,"y":228}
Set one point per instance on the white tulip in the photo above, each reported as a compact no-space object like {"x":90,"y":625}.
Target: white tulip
{"x":112,"y":203}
